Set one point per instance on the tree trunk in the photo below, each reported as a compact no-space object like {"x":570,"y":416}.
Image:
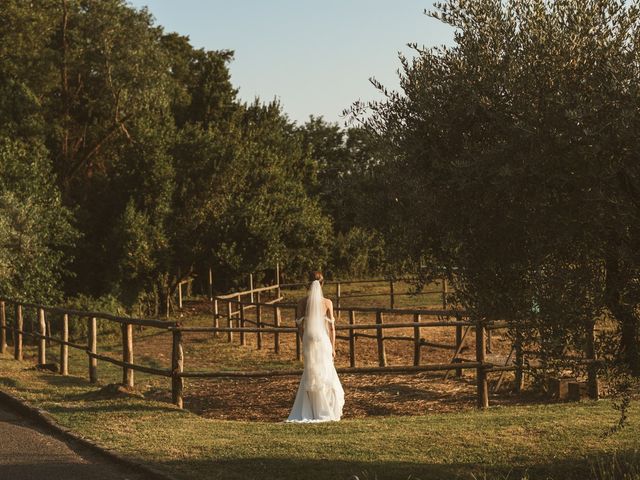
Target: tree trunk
{"x":625,"y":315}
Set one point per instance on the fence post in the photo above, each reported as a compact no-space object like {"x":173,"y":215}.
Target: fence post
{"x":392,"y":300}
{"x":276,"y":335}
{"x":210,"y":284}
{"x":592,"y":367}
{"x":352,"y":339}
{"x":338,"y":298}
{"x":17,"y":333}
{"x":382,"y":354}
{"x":42,"y":337}
{"x":180,"y":295}
{"x":481,"y":374}
{"x":444,"y":293}
{"x":177,"y":367}
{"x":489,"y":340}
{"x":243,"y":340}
{"x":216,"y":316}
{"x":3,"y":327}
{"x":251,"y":287}
{"x":259,"y":324}
{"x":458,"y":344}
{"x":92,"y":340}
{"x":416,"y":340}
{"x":519,"y":361}
{"x":64,"y":348}
{"x":278,"y":279}
{"x":229,"y":320}
{"x":127,"y":354}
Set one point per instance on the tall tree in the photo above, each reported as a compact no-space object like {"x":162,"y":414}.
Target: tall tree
{"x":517,"y":149}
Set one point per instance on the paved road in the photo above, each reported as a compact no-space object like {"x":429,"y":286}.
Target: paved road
{"x":29,"y":453}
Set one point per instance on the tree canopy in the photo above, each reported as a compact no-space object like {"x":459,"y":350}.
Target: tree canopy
{"x":156,"y":169}
{"x":517,"y":150}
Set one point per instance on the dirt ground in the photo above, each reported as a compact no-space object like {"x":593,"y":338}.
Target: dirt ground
{"x":270,"y":399}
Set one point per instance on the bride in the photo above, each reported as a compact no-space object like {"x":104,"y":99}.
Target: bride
{"x":320,"y":397}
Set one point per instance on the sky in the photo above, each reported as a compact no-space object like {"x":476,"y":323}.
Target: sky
{"x":315,"y":57}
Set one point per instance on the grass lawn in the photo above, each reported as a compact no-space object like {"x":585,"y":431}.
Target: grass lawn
{"x":560,"y":441}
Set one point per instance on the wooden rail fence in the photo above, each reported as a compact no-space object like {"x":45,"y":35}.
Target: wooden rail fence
{"x":232,"y":310}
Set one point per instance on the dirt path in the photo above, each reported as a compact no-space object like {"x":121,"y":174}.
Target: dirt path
{"x":28,"y":453}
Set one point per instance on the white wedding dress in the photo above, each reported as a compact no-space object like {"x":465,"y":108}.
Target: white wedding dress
{"x":320,"y":397}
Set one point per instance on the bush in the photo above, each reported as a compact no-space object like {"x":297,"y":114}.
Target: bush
{"x":78,"y":326}
{"x":357,"y":253}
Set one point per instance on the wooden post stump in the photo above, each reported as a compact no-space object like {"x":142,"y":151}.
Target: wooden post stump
{"x":127,"y":354}
{"x":42,"y":337}
{"x":577,"y":391}
{"x":382,"y":354}
{"x":558,"y":388}
{"x":177,"y":367}
{"x":64,"y":349}
{"x":18,"y":325}
{"x":92,"y":344}
{"x":352,"y":339}
{"x":481,"y":374}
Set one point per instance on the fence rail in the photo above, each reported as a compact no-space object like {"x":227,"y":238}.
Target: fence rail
{"x":233,"y":310}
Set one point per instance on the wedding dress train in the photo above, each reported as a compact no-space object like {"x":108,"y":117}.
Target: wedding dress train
{"x":320,"y":396}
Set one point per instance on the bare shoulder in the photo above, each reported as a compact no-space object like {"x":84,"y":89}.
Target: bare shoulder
{"x":328,"y":303}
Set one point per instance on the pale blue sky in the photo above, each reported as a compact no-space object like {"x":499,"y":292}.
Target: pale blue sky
{"x":315,"y":56}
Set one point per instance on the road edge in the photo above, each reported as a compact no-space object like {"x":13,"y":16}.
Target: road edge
{"x":43,"y":419}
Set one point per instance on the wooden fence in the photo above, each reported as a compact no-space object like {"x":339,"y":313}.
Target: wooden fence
{"x":43,"y":337}
{"x":336,"y":291}
{"x":268,"y":320}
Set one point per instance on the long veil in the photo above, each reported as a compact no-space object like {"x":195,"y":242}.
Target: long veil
{"x":316,"y":346}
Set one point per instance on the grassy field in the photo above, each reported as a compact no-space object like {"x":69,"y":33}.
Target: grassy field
{"x":561,"y":441}
{"x":394,"y":427}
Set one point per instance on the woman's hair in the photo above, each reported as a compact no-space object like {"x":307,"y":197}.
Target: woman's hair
{"x":316,"y":276}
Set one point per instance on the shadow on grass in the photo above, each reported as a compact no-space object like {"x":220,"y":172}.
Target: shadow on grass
{"x":65,"y":381}
{"x":9,"y":382}
{"x":110,"y":406}
{"x":622,"y":465}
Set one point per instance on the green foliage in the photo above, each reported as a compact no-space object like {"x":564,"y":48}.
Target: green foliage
{"x":36,"y":231}
{"x":165,"y":171}
{"x":345,"y":182}
{"x":78,"y":326}
{"x":357,"y":253}
{"x":516,"y":150}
